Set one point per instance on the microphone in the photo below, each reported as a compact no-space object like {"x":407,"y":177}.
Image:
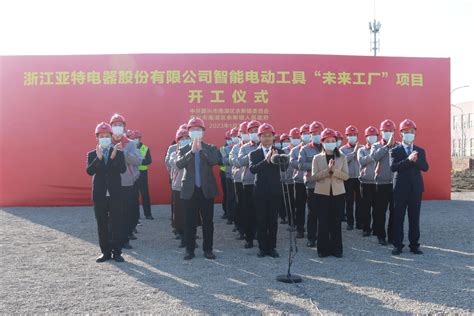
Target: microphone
{"x":280,"y":159}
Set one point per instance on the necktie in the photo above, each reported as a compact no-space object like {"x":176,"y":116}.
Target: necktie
{"x":409,"y":150}
{"x":106,"y":155}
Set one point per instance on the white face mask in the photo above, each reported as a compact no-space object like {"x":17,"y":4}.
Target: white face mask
{"x":295,"y":141}
{"x":117,"y":130}
{"x":105,"y":142}
{"x":352,"y":139}
{"x":195,"y":134}
{"x":254,"y":137}
{"x":372,"y":139}
{"x":306,"y":138}
{"x":329,"y":146}
{"x":245,"y":137}
{"x":387,"y":135}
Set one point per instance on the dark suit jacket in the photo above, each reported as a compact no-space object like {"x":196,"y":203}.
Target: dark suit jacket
{"x":106,"y":176}
{"x":209,"y":158}
{"x":267,"y":175}
{"x":407,"y":174}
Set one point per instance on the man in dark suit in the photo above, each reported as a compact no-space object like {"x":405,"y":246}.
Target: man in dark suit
{"x":105,"y":164}
{"x":199,"y":188}
{"x":407,"y":161}
{"x":267,"y":191}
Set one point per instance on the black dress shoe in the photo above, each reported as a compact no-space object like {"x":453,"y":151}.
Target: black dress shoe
{"x":181,"y":244}
{"x":311,"y":244}
{"x":350,"y":227}
{"x":189,"y":256}
{"x":229,"y":222}
{"x":283,"y":221}
{"x":149,"y":217}
{"x":209,"y":255}
{"x":274,"y":254}
{"x":127,"y":246}
{"x":344,"y":219}
{"x":322,"y":254}
{"x":225,"y":216}
{"x":396,"y":251}
{"x":416,"y":251}
{"x":241,"y":236}
{"x":261,"y":254}
{"x":103,"y":258}
{"x":132,"y":237}
{"x":358,"y":226}
{"x":118,"y":258}
{"x":248,"y":244}
{"x":366,"y":233}
{"x":337,"y":254}
{"x":300,"y":235}
{"x":382,"y":241}
{"x":135,"y":231}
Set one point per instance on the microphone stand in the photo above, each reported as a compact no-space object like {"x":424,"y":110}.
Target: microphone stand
{"x":288,"y":277}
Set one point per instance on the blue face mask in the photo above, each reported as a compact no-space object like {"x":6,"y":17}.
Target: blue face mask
{"x":195,"y":134}
{"x":278,"y":145}
{"x":352,"y":139}
{"x":372,"y":139}
{"x":254,"y":137}
{"x":245,"y":137}
{"x":184,"y":142}
{"x":295,"y":141}
{"x":285,"y":144}
{"x":387,"y":135}
{"x":338,"y":143}
{"x":316,"y":139}
{"x":105,"y":142}
{"x":408,"y":137}
{"x":329,"y":146}
{"x":306,"y":138}
{"x":235,"y":140}
{"x":135,"y":141}
{"x":228,"y":142}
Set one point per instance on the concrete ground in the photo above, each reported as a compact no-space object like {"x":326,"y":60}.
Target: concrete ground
{"x":47,"y":264}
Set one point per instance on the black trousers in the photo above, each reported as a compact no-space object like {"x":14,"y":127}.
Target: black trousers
{"x":352,"y":187}
{"x":403,"y":203}
{"x":249,"y":219}
{"x":312,"y":215}
{"x":383,"y":201}
{"x":230,"y":198}
{"x":239,"y":199}
{"x":330,"y":210}
{"x":143,"y":190}
{"x":266,"y":207}
{"x":224,"y":191}
{"x":109,"y":215}
{"x":367,"y":208}
{"x":205,"y":207}
{"x":301,"y":197}
{"x":289,"y":191}
{"x":179,"y":212}
{"x":131,"y":210}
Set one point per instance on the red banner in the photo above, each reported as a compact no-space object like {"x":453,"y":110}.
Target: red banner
{"x":50,"y":106}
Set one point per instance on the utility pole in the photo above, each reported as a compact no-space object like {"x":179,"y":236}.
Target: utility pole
{"x":374,"y":28}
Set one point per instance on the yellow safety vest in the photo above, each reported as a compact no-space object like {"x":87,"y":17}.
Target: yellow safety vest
{"x":143,"y":150}
{"x":222,"y":168}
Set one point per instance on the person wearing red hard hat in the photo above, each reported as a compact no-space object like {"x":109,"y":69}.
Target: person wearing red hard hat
{"x":407,"y":161}
{"x":248,"y":179}
{"x":228,"y":187}
{"x":133,"y":159}
{"x":367,"y":179}
{"x":305,"y":160}
{"x":352,"y":185}
{"x":222,"y":172}
{"x":199,"y":187}
{"x":267,"y":190}
{"x":329,"y":170}
{"x":384,"y":182}
{"x":237,"y":170}
{"x":290,"y":141}
{"x":105,"y":164}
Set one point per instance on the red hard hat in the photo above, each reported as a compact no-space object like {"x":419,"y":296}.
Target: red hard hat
{"x":196,"y":122}
{"x":253,"y":124}
{"x":117,"y":118}
{"x":183,"y":126}
{"x":130,"y":134}
{"x":138,"y":134}
{"x":265,"y":128}
{"x":387,"y":125}
{"x":284,"y":137}
{"x":243,"y":127}
{"x":277,"y":136}
{"x":339,"y":135}
{"x":181,"y":133}
{"x":406,"y":124}
{"x":371,"y":131}
{"x":295,"y":133}
{"x":227,"y":135}
{"x":351,"y":129}
{"x":327,"y":133}
{"x":316,"y":127}
{"x":103,"y":127}
{"x":234,"y":132}
{"x":304,"y":128}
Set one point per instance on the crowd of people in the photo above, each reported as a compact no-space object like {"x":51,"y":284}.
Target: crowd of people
{"x":308,"y":178}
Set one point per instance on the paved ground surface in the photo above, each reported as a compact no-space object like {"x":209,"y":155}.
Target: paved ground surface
{"x":48,"y":264}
